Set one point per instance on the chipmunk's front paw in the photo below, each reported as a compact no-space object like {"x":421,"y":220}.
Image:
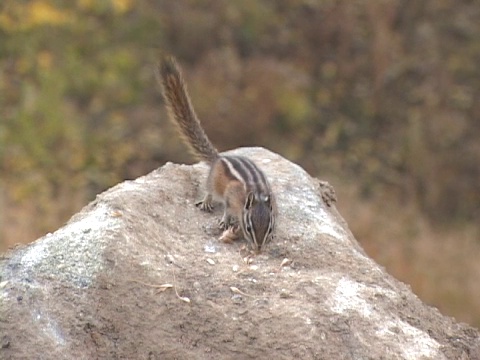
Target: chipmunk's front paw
{"x":227,"y":222}
{"x":205,"y":204}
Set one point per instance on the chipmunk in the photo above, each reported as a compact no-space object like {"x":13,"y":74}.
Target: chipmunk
{"x":233,"y":180}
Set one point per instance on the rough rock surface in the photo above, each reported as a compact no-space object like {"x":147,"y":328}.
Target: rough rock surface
{"x":93,"y":289}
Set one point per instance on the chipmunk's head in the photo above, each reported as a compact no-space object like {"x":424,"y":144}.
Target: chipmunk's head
{"x":258,"y":219}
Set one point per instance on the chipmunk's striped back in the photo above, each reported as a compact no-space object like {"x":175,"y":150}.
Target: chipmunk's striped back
{"x":236,"y":181}
{"x":245,"y":170}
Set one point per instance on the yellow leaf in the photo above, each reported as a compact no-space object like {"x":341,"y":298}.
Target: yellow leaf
{"x":40,"y":12}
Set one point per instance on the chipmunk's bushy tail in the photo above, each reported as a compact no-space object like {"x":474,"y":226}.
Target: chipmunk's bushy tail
{"x":181,"y":111}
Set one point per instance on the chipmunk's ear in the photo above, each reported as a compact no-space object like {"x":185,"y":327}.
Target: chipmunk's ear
{"x":249,"y":201}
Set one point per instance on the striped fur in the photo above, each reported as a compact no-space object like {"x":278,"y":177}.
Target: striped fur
{"x":236,"y":181}
{"x":258,"y":215}
{"x":244,"y":170}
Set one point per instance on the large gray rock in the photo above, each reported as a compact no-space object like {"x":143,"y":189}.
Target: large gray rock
{"x":93,"y":288}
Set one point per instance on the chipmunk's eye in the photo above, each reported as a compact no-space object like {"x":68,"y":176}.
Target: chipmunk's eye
{"x":249,"y":229}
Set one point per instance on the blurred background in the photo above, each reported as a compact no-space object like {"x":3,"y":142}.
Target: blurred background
{"x":381,"y":98}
